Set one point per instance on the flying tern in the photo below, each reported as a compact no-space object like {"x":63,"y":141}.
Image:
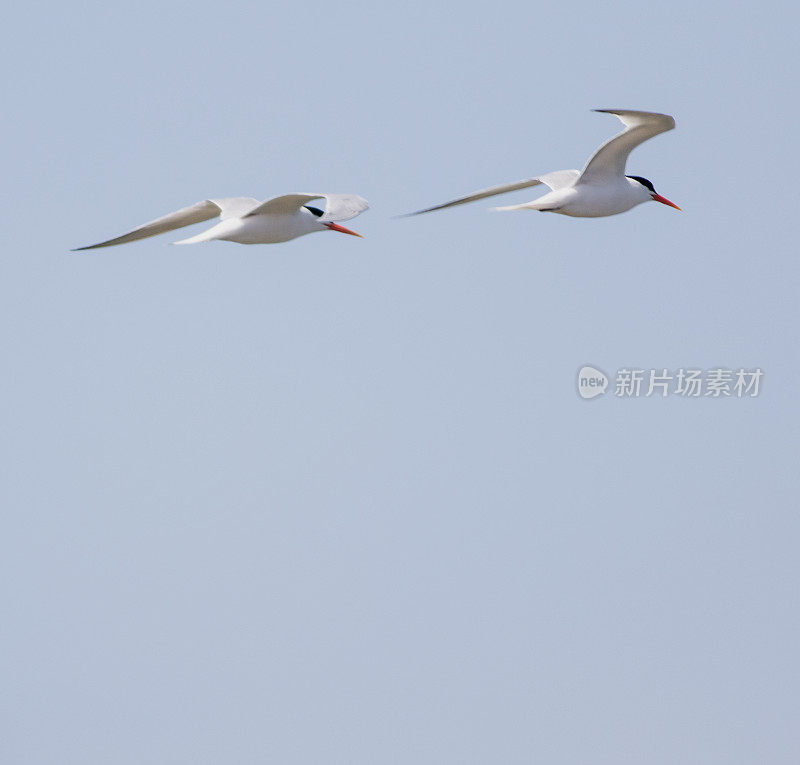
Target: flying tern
{"x":602,"y":188}
{"x":248,"y":221}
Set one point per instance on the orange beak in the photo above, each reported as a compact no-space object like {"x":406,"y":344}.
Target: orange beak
{"x":664,"y":201}
{"x":341,"y":229}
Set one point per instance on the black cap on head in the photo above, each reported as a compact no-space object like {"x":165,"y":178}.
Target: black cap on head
{"x":314,"y":210}
{"x":643,"y":181}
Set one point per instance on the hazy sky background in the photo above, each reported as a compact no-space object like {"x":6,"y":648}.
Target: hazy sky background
{"x":337,"y":501}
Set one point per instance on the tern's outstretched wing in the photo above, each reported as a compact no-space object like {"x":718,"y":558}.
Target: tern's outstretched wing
{"x":557,"y":180}
{"x":482,"y":194}
{"x":343,"y":207}
{"x":205,"y":210}
{"x":337,"y":206}
{"x":609,"y":160}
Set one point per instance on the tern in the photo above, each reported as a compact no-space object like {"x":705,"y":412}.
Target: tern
{"x":248,"y":221}
{"x":602,"y":188}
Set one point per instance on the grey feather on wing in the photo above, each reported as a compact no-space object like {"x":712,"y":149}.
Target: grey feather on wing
{"x":196,"y":213}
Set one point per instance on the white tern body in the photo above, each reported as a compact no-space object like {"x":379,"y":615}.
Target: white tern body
{"x":248,"y":221}
{"x":601,"y":188}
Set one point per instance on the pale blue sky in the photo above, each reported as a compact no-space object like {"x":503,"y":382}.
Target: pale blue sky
{"x":337,"y":501}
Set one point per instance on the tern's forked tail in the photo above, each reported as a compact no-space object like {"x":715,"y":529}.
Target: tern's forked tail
{"x":214,"y":232}
{"x":534,"y":205}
